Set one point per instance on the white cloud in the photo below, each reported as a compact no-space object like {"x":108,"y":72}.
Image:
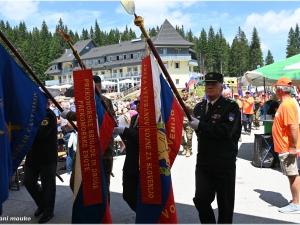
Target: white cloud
{"x":264,"y":46}
{"x":272,"y":29}
{"x":18,"y":10}
{"x":155,"y":16}
{"x":272,"y":22}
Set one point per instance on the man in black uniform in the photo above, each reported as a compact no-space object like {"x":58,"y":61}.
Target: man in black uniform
{"x":41,"y":161}
{"x":131,"y":165}
{"x":218,"y":126}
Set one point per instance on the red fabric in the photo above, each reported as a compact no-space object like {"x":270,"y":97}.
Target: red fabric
{"x":88,"y":137}
{"x":149,"y":164}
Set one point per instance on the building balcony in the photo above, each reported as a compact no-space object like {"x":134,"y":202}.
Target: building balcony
{"x":177,"y":57}
{"x":134,"y":74}
{"x":193,"y":62}
{"x":58,"y":82}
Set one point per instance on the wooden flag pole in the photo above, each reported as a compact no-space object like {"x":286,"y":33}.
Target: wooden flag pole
{"x":37,"y":80}
{"x":139,"y":21}
{"x":67,"y":38}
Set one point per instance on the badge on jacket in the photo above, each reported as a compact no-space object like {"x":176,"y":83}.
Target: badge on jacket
{"x":216,"y":116}
{"x":231,"y":117}
{"x":45,"y":122}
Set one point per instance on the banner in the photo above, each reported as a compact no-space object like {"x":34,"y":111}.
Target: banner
{"x":149,"y":166}
{"x":22,"y":109}
{"x":90,"y":194}
{"x":169,"y":122}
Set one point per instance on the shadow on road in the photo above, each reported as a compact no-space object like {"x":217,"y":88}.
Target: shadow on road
{"x":273,"y":198}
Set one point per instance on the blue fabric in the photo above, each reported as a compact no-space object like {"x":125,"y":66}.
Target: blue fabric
{"x":57,"y":113}
{"x":71,"y":153}
{"x":22,"y":109}
{"x":69,"y":161}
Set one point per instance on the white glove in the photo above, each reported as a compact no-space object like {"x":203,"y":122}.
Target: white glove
{"x":194,"y":123}
{"x":119,"y":130}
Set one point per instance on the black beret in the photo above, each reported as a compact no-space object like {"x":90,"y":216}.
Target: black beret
{"x":212,"y":76}
{"x":97,"y":79}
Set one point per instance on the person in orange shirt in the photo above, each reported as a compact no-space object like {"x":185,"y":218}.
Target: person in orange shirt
{"x":248,"y":111}
{"x":285,"y":133}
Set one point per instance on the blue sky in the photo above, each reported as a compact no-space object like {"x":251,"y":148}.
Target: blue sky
{"x":272,"y":19}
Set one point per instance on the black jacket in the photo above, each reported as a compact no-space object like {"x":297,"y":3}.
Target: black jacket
{"x":131,"y":139}
{"x":44,"y":148}
{"x":218,"y":132}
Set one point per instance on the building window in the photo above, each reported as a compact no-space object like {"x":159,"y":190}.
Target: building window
{"x":177,"y":81}
{"x":131,"y":56}
{"x":166,"y":65}
{"x":117,"y":57}
{"x":176,"y":51}
{"x":177,"y":65}
{"x":124,"y":56}
{"x":99,"y":61}
{"x":121,"y":57}
{"x":110,"y":58}
{"x":165,"y":51}
{"x":138,"y":55}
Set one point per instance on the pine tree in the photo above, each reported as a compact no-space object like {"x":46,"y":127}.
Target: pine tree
{"x":92,"y":33}
{"x":297,"y":39}
{"x":84,"y":34}
{"x":97,"y":34}
{"x":152,"y":32}
{"x":256,"y":58}
{"x":189,"y":36}
{"x":45,"y":40}
{"x":211,"y":55}
{"x":132,"y":34}
{"x":221,"y":50}
{"x":269,"y":59}
{"x":202,"y":49}
{"x":290,"y":49}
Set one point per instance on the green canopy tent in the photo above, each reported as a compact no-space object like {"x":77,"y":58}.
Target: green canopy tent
{"x":268,"y":75}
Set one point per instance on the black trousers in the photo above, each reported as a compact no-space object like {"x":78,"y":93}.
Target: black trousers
{"x":44,"y":196}
{"x":130,"y":189}
{"x":247,"y":121}
{"x":215,"y":180}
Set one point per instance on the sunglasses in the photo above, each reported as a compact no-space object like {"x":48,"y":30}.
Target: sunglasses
{"x":137,"y":102}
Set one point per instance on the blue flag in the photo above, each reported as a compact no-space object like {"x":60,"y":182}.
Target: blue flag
{"x":22,"y":109}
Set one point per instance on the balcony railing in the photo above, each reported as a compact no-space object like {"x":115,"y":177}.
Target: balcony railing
{"x":67,"y":70}
{"x":175,"y":57}
{"x":134,"y":74}
{"x":58,"y":82}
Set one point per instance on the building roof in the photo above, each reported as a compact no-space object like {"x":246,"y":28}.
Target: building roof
{"x":68,"y":55}
{"x":169,"y":36}
{"x":123,"y":47}
{"x":114,"y":64}
{"x":50,"y":71}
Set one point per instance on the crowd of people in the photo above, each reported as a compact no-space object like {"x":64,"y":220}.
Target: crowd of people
{"x":217,"y":122}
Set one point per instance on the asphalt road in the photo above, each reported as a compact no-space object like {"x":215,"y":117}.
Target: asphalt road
{"x":259,"y":193}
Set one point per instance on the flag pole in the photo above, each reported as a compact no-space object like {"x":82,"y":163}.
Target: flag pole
{"x":139,"y":21}
{"x":67,"y":38}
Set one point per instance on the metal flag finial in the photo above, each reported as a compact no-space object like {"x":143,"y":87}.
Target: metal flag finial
{"x":128,"y":6}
